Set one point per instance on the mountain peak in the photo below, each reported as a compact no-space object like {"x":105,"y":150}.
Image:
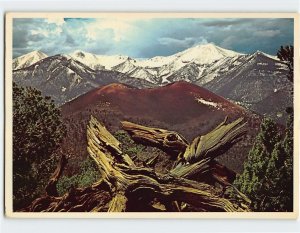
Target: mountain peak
{"x":208,"y":45}
{"x":39,"y":52}
{"x":204,"y":54}
{"x":28,"y":59}
{"x":259,"y":53}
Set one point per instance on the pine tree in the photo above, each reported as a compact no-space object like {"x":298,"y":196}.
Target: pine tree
{"x":37,"y":132}
{"x":286,"y":54}
{"x":267,"y":178}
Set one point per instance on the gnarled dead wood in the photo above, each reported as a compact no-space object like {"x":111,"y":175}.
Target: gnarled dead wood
{"x":133,"y":183}
{"x":197,"y":157}
{"x":196,"y":160}
{"x":126,"y":187}
{"x":91,"y":199}
{"x":216,"y":142}
{"x":169,"y":141}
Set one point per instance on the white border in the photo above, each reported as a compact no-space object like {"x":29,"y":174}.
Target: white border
{"x":153,"y":225}
{"x":8,"y":113}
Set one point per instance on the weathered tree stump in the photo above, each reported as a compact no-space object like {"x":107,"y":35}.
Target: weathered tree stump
{"x":126,"y":187}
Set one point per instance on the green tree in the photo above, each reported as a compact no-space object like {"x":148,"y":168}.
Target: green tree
{"x":89,"y":174}
{"x":37,"y":132}
{"x":267,"y":178}
{"x":128,"y":145}
{"x":280,"y":172}
{"x":286,"y":54}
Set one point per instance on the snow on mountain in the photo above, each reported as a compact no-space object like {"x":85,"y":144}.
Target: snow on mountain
{"x":196,"y":58}
{"x":247,"y":79}
{"x":200,"y":54}
{"x":265,"y":54}
{"x":222,"y":71}
{"x":157,"y":68}
{"x":155,"y":61}
{"x":142,"y":73}
{"x":28,"y":59}
{"x":98,"y":62}
{"x":125,"y":67}
{"x":204,"y":54}
{"x":64,"y":78}
{"x":206,"y":102}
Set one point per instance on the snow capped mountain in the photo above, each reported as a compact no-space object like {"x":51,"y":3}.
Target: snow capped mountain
{"x":28,"y":59}
{"x":98,"y":62}
{"x":156,"y":69}
{"x":64,"y":78}
{"x":198,"y":58}
{"x":203,"y":54}
{"x":247,"y":79}
{"x":199,"y":54}
{"x":201,"y":64}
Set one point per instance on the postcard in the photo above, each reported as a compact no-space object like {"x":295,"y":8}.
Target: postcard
{"x":151,"y":115}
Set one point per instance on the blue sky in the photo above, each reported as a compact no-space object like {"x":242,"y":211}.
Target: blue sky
{"x":146,"y":38}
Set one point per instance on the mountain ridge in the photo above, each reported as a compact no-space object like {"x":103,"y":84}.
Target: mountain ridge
{"x":159,"y":70}
{"x":64,"y":78}
{"x":247,"y":79}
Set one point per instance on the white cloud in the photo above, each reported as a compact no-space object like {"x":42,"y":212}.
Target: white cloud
{"x":46,"y":32}
{"x":120,"y":29}
{"x":53,"y":27}
{"x":40,"y":31}
{"x":57,"y":21}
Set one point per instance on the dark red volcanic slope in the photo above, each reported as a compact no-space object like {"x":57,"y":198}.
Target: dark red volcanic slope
{"x":181,"y":106}
{"x":175,"y":103}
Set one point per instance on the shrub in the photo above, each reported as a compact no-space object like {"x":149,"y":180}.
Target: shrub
{"x":128,"y":145}
{"x":37,"y":132}
{"x":88,"y":175}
